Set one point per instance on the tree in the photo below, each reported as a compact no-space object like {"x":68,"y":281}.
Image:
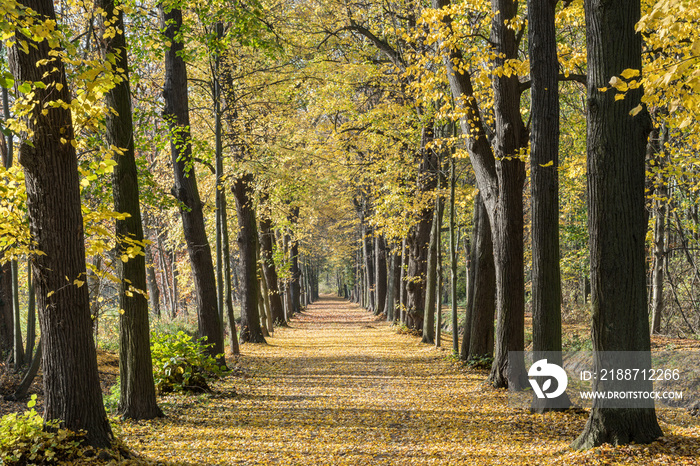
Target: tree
{"x":544,"y":170}
{"x":242,"y":189}
{"x":270,"y":271}
{"x":185,"y":190}
{"x":481,"y":288}
{"x":137,"y":398}
{"x":616,"y":138}
{"x":71,"y":381}
{"x":500,"y":175}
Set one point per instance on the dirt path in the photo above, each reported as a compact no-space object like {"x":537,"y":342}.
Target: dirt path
{"x":339,"y":387}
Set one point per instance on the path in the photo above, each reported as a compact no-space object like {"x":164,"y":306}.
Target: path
{"x":339,"y":387}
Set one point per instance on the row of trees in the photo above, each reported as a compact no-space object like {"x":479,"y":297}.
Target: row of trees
{"x":618,"y":142}
{"x":342,"y":132}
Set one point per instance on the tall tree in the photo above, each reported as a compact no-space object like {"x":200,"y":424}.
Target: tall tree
{"x":137,"y":398}
{"x":72,"y":391}
{"x":242,"y":189}
{"x":175,"y":93}
{"x":500,"y":175}
{"x":616,"y":140}
{"x":544,"y":172}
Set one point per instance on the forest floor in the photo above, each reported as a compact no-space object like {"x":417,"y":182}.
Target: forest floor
{"x":340,"y":387}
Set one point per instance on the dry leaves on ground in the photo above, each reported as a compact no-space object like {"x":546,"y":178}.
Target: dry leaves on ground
{"x":339,"y":387}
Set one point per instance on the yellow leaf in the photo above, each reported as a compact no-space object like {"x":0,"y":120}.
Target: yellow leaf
{"x":548,"y":164}
{"x":629,"y":73}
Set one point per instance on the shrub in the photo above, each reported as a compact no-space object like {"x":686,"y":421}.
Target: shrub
{"x":483,"y":361}
{"x":111,"y":401}
{"x":25,"y":439}
{"x":182,"y":363}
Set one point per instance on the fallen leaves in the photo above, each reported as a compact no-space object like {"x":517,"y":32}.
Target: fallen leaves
{"x":338,"y":387}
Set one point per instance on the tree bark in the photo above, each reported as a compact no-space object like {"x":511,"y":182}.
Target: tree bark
{"x":152,"y":282}
{"x":380,"y":268}
{"x":391,"y":272}
{"x":403,"y":288}
{"x":295,"y":285}
{"x":398,"y":257}
{"x":31,"y":312}
{"x":5,"y":308}
{"x":270,"y":271}
{"x":137,"y":390}
{"x":655,"y":146}
{"x":228,"y":286}
{"x":453,"y":261}
{"x":72,"y":391}
{"x":242,"y":189}
{"x":544,"y":170}
{"x":367,"y":254}
{"x":616,"y":143}
{"x":431,"y":297}
{"x":481,"y":290}
{"x":185,"y":190}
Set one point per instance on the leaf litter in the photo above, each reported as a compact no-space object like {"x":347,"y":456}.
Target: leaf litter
{"x":340,"y":387}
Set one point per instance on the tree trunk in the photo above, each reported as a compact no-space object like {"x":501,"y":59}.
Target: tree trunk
{"x":616,"y":144}
{"x":403,"y":288}
{"x":31,"y":312}
{"x":453,"y":261}
{"x":137,"y":390}
{"x":228,"y":287}
{"x":506,"y":212}
{"x":185,"y":190}
{"x":390,"y":295}
{"x":242,"y":189}
{"x":266,"y":318}
{"x":219,"y":173}
{"x":431,"y":279}
{"x":481,"y":290}
{"x":657,"y":279}
{"x":22,"y":390}
{"x":18,"y":348}
{"x":295,"y":285}
{"x":5,"y":309}
{"x":544,"y":169}
{"x":268,"y":263}
{"x":72,"y":391}
{"x":367,"y":254}
{"x":655,"y":146}
{"x":152,"y":282}
{"x":398,"y":257}
{"x":380,"y":268}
